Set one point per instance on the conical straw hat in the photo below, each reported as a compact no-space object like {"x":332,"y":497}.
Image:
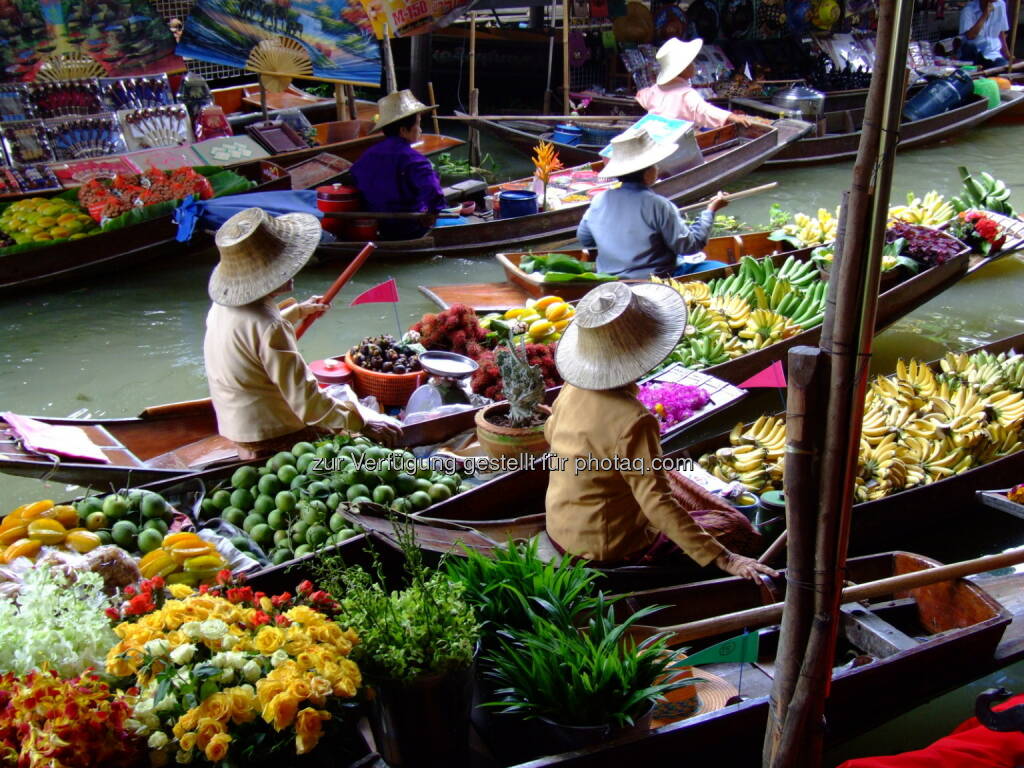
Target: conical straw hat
{"x":398,"y":105}
{"x":259,"y":253}
{"x":619,"y":333}
{"x":675,"y":56}
{"x":633,"y":150}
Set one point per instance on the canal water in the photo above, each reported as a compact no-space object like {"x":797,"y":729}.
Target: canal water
{"x":111,"y":346}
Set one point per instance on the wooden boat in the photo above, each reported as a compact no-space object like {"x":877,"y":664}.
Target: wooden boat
{"x":181,"y":438}
{"x":121,"y":248}
{"x":515,"y":502}
{"x":733,"y":152}
{"x":838,"y":136}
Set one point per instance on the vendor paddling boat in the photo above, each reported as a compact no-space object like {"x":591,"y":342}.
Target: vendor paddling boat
{"x":181,"y":438}
{"x":733,"y":152}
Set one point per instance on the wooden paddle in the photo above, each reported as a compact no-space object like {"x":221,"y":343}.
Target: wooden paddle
{"x":336,"y":286}
{"x":734,"y":196}
{"x":771,"y":614}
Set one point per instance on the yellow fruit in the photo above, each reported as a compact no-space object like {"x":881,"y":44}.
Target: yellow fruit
{"x":157,"y":563}
{"x":22,"y":548}
{"x":514,"y":314}
{"x":65,"y":514}
{"x":559,"y":311}
{"x":540,"y":328}
{"x":191,"y":579}
{"x":46,"y":531}
{"x":183,"y":553}
{"x":13,"y":533}
{"x":204,"y":563}
{"x":35,"y":509}
{"x":174,"y":539}
{"x":82,"y":540}
{"x":546,"y":301}
{"x":560,"y":325}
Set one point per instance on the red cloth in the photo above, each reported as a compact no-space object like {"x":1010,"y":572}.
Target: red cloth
{"x":970,"y":745}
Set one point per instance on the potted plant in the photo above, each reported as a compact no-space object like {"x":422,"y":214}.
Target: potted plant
{"x":515,"y":427}
{"x":416,"y":651}
{"x":569,"y":688}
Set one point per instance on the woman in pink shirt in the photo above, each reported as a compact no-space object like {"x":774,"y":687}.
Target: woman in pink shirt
{"x":672,"y":95}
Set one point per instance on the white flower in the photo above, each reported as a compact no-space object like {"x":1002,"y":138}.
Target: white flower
{"x":191,"y":630}
{"x":133,"y":725}
{"x":184,"y":757}
{"x":220,"y":660}
{"x":213,"y":629}
{"x":252,"y":671}
{"x":237,"y":659}
{"x":183,"y":654}
{"x":149,"y":720}
{"x":279,"y":657}
{"x":228,"y":642}
{"x":226,"y":675}
{"x":157,"y":648}
{"x":145,"y":705}
{"x":158,"y":740}
{"x":170,"y":701}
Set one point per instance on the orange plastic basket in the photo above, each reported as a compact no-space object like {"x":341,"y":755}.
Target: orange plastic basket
{"x":390,"y":389}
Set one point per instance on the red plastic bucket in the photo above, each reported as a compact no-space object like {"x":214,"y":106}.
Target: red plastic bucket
{"x":337,"y":198}
{"x":361,"y":229}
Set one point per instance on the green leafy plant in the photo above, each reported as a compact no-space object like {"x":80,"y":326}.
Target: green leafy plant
{"x":523,"y":384}
{"x":727,"y":225}
{"x":513,"y":585}
{"x":425,"y":629}
{"x":597,"y":676}
{"x":448,"y":167}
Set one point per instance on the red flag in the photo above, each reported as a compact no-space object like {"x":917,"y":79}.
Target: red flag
{"x":772,"y":376}
{"x":385,"y":292}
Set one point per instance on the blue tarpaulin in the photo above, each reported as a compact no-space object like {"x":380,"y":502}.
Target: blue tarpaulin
{"x":210,"y":214}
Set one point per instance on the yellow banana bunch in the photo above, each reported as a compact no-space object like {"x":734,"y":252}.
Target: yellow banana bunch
{"x":813,"y":231}
{"x":930,"y":211}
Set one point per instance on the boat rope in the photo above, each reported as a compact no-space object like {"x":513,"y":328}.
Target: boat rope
{"x":53,"y":457}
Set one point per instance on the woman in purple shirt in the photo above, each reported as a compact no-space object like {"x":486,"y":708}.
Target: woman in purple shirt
{"x":395,"y":178}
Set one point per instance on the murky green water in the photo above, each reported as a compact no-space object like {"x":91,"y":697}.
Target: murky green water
{"x":113,"y":345}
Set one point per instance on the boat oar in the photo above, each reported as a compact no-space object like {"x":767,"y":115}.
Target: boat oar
{"x":343,"y":278}
{"x":734,"y":196}
{"x":771,"y":614}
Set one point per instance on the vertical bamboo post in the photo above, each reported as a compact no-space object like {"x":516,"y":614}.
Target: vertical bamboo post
{"x":339,"y":102}
{"x":472,"y":51}
{"x":565,"y":57}
{"x":389,"y":62}
{"x":805,"y":399}
{"x":263,"y":100}
{"x":848,"y":333}
{"x":350,"y":101}
{"x":433,"y":114}
{"x":1014,"y":20}
{"x":474,"y":135}
{"x":547,"y":87}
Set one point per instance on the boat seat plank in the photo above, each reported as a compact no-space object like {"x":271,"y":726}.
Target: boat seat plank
{"x":872,"y":634}
{"x":199,"y":454}
{"x":483,"y":297}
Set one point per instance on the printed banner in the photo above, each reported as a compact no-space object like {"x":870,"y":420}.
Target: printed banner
{"x":335,"y":33}
{"x":405,"y":18}
{"x":124,"y":38}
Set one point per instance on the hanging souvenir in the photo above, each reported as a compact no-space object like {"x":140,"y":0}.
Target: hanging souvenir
{"x":824,"y":14}
{"x":703,"y":14}
{"x":771,"y":18}
{"x":579,"y":51}
{"x":670,"y":21}
{"x":599,"y":9}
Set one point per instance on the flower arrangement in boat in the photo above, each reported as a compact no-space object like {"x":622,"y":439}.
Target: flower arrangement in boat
{"x":546,"y":162}
{"x":225,"y":671}
{"x":1016,"y":494}
{"x":672,"y":403}
{"x":77,"y":722}
{"x":978,"y":231}
{"x":108,"y":198}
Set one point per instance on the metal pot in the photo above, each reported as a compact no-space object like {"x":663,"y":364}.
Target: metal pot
{"x":807,"y":101}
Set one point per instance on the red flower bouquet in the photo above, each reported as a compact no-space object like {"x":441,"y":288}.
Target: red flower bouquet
{"x":979,"y":231}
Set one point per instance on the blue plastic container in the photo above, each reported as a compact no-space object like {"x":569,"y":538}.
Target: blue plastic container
{"x":593,"y":134}
{"x":567,"y":134}
{"x":963,"y":82}
{"x":934,"y":99}
{"x":514,"y":203}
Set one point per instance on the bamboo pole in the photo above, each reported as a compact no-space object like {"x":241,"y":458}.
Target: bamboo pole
{"x":847,"y":339}
{"x":339,"y":102}
{"x":389,"y":63}
{"x":805,"y":398}
{"x":472,"y":51}
{"x":565,"y":57}
{"x":1012,"y":43}
{"x":350,"y":100}
{"x":263,"y":101}
{"x":474,"y":134}
{"x":433,"y":113}
{"x":546,"y":108}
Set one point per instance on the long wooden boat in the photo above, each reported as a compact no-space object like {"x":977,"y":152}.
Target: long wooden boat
{"x":513,"y":504}
{"x":838,"y":138}
{"x":181,"y":438}
{"x":121,"y":248}
{"x":732,"y":153}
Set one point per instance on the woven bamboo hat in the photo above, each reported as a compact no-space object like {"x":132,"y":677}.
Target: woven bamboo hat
{"x":259,"y":253}
{"x":619,"y":333}
{"x":634,"y":150}
{"x":675,"y":56}
{"x":398,"y":105}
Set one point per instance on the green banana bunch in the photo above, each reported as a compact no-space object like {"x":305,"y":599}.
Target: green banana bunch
{"x":984,"y":193}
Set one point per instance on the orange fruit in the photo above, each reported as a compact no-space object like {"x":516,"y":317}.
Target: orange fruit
{"x":36,"y":509}
{"x":46,"y":531}
{"x":65,"y":514}
{"x":22,"y":548}
{"x":559,"y":311}
{"x":172,"y":540}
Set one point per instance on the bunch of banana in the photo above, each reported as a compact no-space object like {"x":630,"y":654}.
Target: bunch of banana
{"x":919,"y":427}
{"x":931,"y":211}
{"x":732,"y":309}
{"x":764,"y":327}
{"x":813,"y":231}
{"x":983,"y":192}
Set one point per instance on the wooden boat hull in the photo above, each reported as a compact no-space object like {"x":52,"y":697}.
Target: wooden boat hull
{"x":168,"y":441}
{"x":736,"y":153}
{"x":122,"y":248}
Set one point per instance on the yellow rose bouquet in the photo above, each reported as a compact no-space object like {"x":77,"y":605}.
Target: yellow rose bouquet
{"x":228,"y":675}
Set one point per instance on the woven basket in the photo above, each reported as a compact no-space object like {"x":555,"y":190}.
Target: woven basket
{"x":390,"y":389}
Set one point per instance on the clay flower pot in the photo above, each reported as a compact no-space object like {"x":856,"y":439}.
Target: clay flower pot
{"x":509,"y":442}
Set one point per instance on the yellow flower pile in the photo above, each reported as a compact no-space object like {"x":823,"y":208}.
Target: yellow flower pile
{"x":278,"y":665}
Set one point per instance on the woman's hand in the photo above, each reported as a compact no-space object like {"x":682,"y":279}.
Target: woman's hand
{"x":744,"y":567}
{"x":314,"y":305}
{"x":381,"y":432}
{"x":719,"y":201}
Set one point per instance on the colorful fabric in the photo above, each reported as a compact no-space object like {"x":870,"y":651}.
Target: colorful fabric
{"x":612,"y":514}
{"x":637,"y":232}
{"x":393,"y":177}
{"x":260,"y":386}
{"x":681,"y":102}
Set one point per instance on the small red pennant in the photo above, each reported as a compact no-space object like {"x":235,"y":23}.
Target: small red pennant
{"x":385,"y":292}
{"x":772,"y":376}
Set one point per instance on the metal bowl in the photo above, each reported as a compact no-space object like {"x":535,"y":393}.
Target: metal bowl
{"x":449,"y":365}
{"x":809,"y":102}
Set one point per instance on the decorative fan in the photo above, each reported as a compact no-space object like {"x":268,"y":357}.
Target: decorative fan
{"x":69,"y":66}
{"x":278,"y":60}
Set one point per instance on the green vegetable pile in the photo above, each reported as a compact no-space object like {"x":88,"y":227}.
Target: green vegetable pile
{"x":563,"y":268}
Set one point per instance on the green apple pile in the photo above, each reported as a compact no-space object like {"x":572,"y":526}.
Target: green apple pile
{"x":289,"y":506}
{"x":135,"y":520}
